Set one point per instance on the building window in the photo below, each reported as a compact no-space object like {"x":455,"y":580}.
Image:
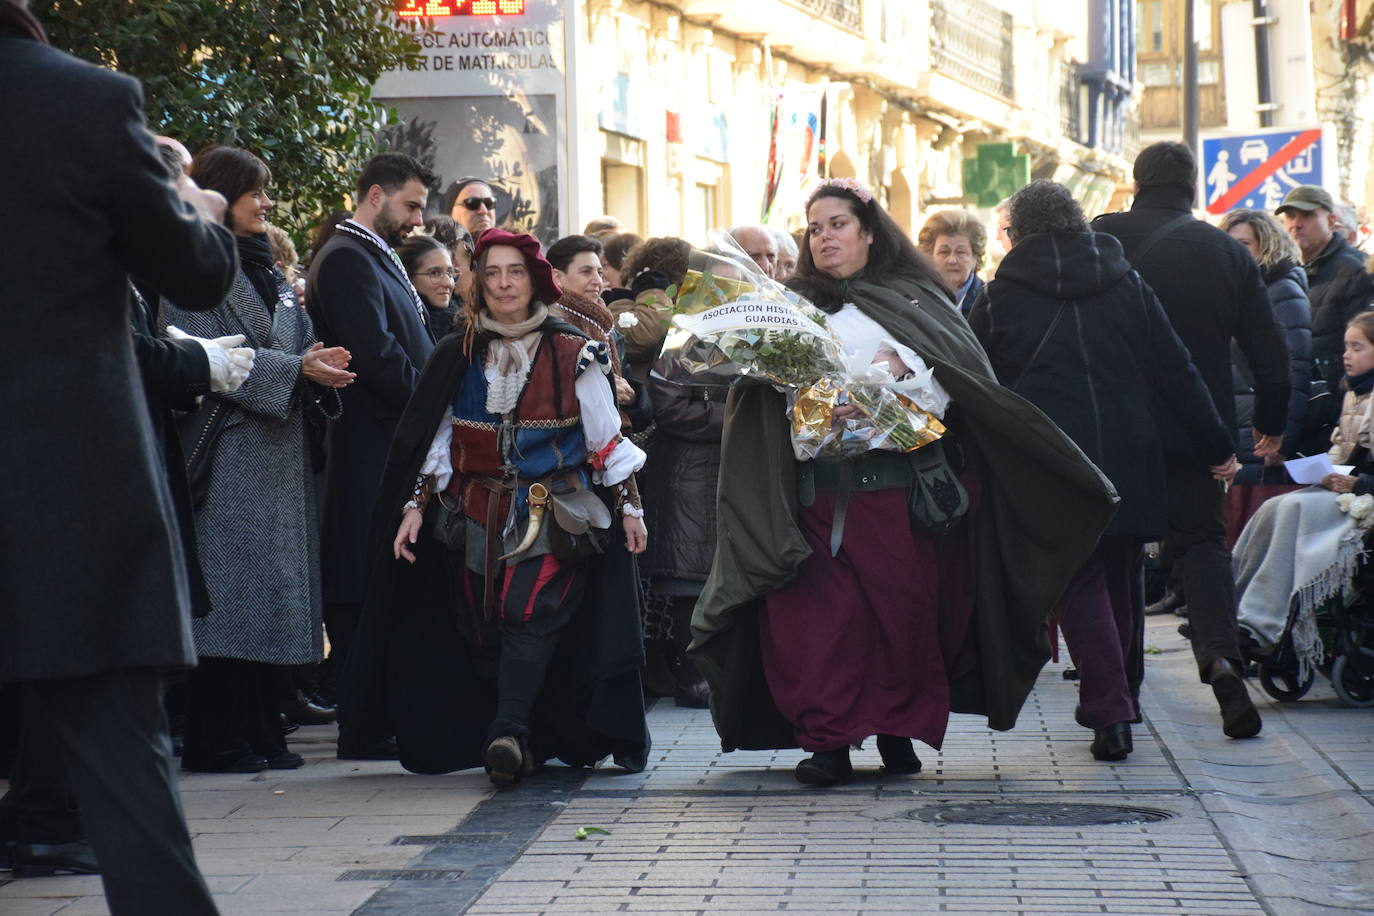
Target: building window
{"x":1151,"y":19}
{"x":622,"y":193}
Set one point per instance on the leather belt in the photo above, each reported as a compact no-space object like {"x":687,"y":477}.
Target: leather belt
{"x":495,"y":490}
{"x":876,"y":470}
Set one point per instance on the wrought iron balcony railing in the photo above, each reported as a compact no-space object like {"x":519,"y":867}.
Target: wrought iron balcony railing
{"x":971,"y":41}
{"x":845,"y":12}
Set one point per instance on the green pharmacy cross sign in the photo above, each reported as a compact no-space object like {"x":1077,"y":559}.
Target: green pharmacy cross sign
{"x":995,"y":173}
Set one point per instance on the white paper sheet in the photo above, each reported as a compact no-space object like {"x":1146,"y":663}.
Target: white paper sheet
{"x":1314,"y":469}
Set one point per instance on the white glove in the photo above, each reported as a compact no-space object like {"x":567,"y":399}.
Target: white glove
{"x":229,"y":362}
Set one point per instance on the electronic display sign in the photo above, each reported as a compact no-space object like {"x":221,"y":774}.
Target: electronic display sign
{"x":433,"y":9}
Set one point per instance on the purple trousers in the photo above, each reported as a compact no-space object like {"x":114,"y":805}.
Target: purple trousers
{"x":1095,"y":617}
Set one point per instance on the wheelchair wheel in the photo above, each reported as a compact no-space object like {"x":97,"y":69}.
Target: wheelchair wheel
{"x":1352,"y":687}
{"x":1282,"y":683}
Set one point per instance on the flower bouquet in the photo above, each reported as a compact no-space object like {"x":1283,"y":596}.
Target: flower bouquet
{"x":732,"y":320}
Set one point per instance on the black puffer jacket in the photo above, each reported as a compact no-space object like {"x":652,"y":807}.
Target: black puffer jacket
{"x":1339,"y":287}
{"x":1211,"y":290}
{"x":1287,"y":287}
{"x":679,"y":482}
{"x":1104,"y":365}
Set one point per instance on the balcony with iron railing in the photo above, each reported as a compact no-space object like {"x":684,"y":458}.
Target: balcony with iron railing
{"x":971,"y":41}
{"x":846,"y":12}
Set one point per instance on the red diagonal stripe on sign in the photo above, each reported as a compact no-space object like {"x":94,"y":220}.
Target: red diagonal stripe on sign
{"x":1262,"y":171}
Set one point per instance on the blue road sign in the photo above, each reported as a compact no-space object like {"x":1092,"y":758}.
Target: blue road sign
{"x":1255,"y":170}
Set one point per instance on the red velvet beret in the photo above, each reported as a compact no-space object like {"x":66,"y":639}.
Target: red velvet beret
{"x":541,"y":271}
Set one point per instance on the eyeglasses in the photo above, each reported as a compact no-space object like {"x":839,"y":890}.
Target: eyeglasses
{"x":476,"y":203}
{"x":438,"y":273}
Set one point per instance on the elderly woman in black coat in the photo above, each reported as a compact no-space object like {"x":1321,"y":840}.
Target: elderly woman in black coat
{"x":1070,"y":326}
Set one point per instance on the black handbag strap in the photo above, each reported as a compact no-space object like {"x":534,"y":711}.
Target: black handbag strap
{"x":1059,"y":313}
{"x":1155,"y":237}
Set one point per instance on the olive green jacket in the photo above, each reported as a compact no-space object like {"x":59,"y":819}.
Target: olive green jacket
{"x":1044,"y":505}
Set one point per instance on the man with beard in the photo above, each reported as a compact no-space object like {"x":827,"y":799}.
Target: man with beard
{"x":361,"y":299}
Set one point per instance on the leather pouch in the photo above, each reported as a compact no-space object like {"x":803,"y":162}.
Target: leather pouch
{"x":937,"y":499}
{"x":448,"y":523}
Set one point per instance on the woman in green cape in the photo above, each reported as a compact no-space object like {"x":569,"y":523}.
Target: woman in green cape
{"x":874,"y":596}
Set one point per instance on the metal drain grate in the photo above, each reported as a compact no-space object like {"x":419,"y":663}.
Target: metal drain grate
{"x":1032,"y":814}
{"x":402,"y":874}
{"x":451,"y":839}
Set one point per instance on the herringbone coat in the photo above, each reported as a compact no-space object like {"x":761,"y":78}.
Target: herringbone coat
{"x":257,"y":529}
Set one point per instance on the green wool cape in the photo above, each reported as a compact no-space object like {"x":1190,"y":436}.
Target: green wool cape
{"x":1044,"y":505}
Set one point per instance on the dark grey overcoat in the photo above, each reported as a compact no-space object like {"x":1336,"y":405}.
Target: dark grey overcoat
{"x":92,"y":573}
{"x":257,"y":530}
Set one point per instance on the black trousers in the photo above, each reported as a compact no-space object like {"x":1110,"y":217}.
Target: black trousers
{"x":102,"y":741}
{"x":233,"y":707}
{"x":1196,"y":543}
{"x":538,"y":600}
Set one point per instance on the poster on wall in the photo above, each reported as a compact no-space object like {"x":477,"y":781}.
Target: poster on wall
{"x":489,"y":100}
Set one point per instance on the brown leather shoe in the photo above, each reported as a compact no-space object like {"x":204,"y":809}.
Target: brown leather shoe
{"x":1239,"y":718}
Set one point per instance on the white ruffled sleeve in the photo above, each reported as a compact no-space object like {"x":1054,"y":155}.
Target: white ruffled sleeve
{"x":438,"y":461}
{"x":601,"y":418}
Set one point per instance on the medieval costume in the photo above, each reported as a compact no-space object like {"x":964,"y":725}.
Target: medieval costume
{"x":818,"y":633}
{"x":511,"y":446}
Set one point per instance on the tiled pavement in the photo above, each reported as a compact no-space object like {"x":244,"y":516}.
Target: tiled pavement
{"x":1281,"y":824}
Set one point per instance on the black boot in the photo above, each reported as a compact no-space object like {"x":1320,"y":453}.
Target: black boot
{"x":689,"y":687}
{"x":1171,"y":601}
{"x":1239,"y":718}
{"x":899,"y":757}
{"x":1113,"y":742}
{"x":826,"y":768}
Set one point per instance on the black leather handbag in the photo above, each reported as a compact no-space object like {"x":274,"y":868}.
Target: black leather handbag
{"x":199,"y":431}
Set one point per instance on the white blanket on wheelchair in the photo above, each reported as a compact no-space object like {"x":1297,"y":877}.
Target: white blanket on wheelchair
{"x":1297,"y":551}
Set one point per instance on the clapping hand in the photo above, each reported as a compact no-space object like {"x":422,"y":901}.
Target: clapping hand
{"x":230,"y":361}
{"x":327,"y":366}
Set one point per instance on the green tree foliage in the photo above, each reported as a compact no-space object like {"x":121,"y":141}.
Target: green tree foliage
{"x":290,"y":80}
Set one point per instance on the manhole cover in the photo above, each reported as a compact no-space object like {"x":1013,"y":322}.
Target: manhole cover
{"x":1027,"y":814}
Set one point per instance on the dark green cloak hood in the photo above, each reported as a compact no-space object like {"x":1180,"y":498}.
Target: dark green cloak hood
{"x":1044,"y":505}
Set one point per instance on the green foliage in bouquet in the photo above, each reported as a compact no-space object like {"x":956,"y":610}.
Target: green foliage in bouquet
{"x":786,"y":357}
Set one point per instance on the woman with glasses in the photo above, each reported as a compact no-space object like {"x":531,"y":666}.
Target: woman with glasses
{"x":472,"y":205}
{"x":429,"y":264}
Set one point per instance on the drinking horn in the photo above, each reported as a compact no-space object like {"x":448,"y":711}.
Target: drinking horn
{"x":539,"y":499}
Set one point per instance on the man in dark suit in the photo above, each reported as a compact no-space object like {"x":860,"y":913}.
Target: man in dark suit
{"x":91,"y":563}
{"x":361,"y":299}
{"x":1211,"y":290}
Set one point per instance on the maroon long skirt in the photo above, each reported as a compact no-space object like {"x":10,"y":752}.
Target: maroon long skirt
{"x":865,"y":643}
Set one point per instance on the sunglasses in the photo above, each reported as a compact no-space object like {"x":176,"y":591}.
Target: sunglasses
{"x":476,"y":203}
